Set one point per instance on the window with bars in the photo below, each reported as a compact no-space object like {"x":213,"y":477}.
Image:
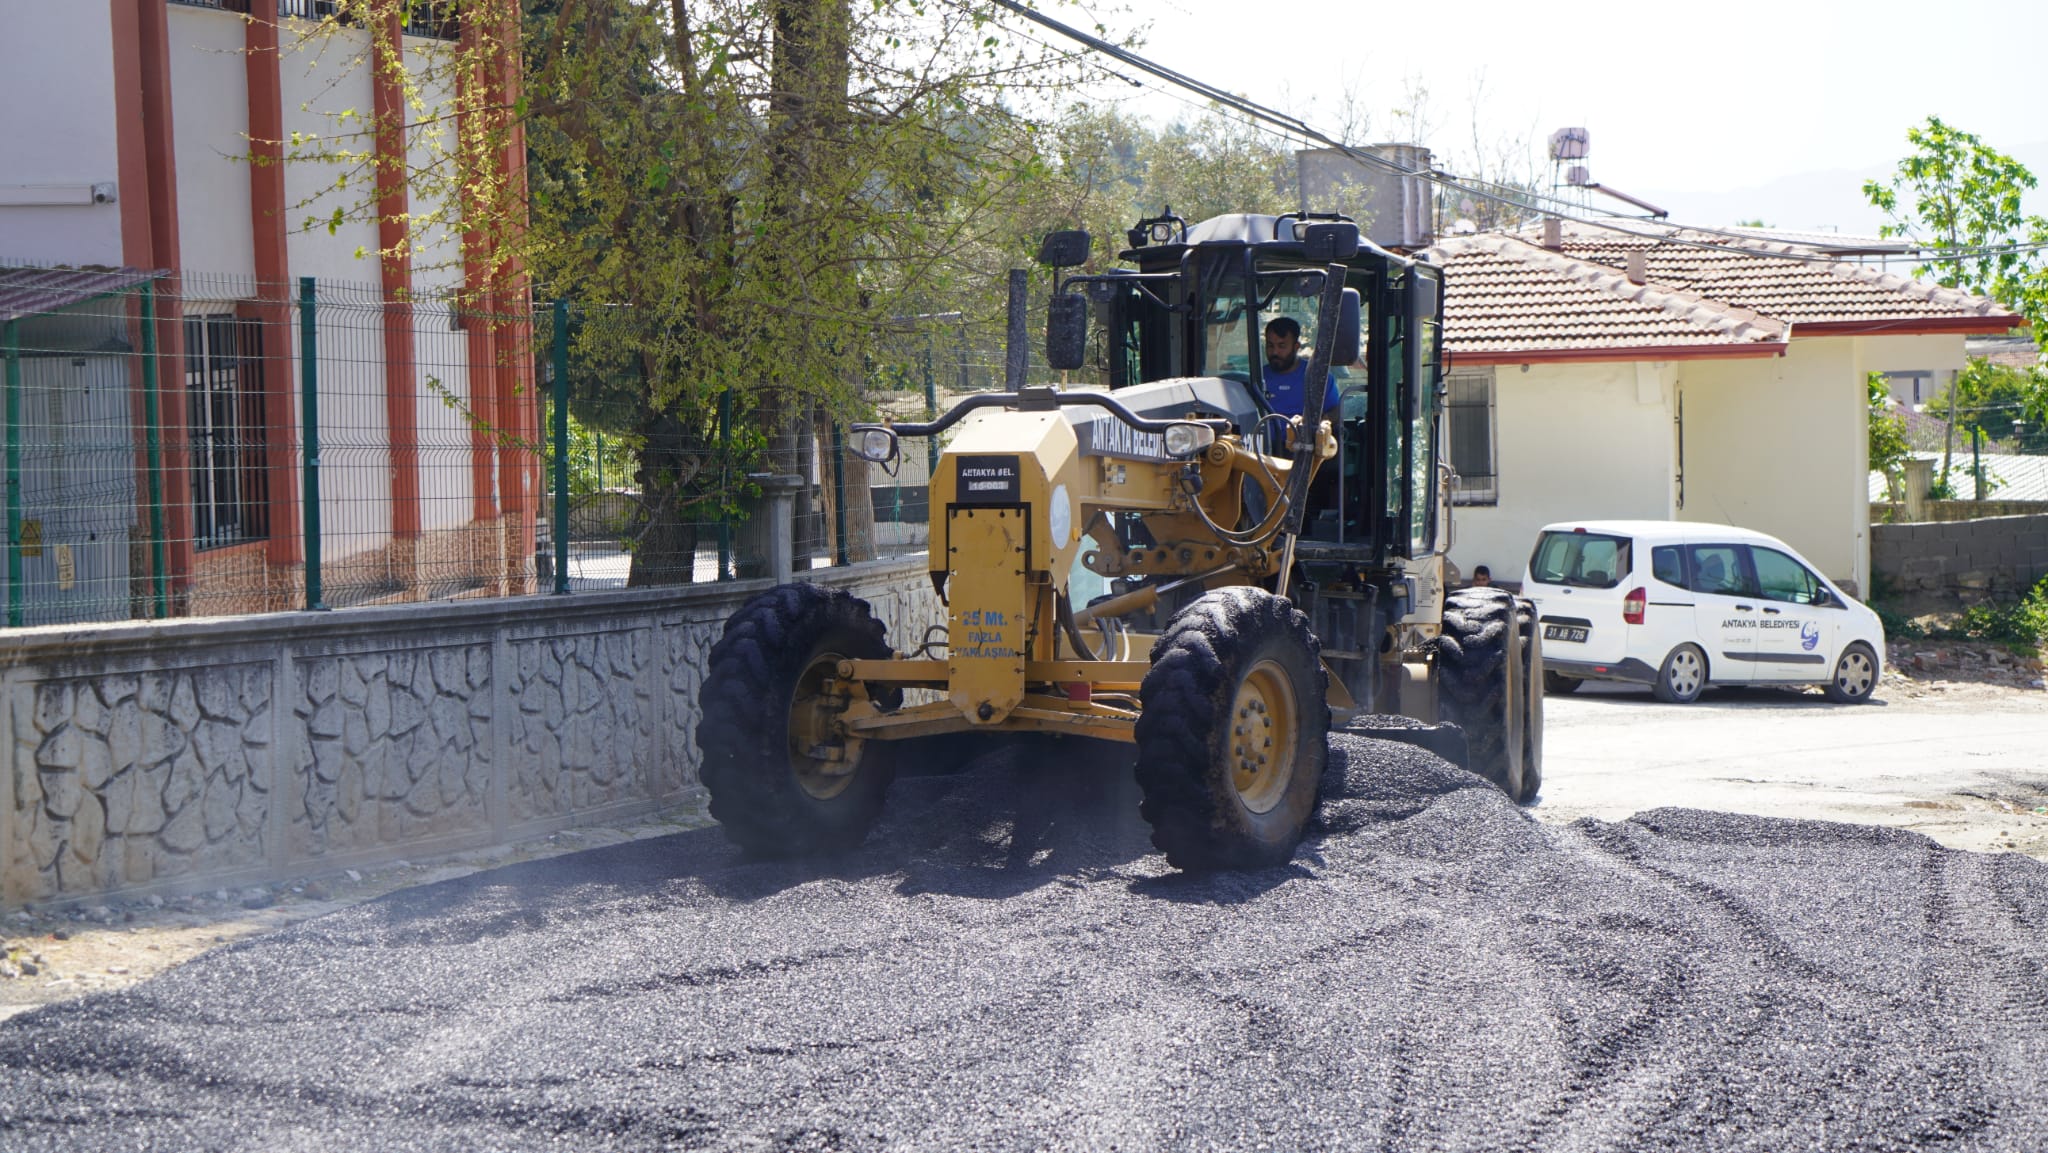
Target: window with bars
{"x":434,"y":19}
{"x":224,"y":418}
{"x":1469,"y":431}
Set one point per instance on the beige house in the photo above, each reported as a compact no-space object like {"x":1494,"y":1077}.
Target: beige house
{"x":1654,"y":372}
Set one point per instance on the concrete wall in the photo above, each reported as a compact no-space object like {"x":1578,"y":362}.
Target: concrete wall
{"x":1780,"y":446}
{"x":57,"y":82}
{"x":191,"y":754}
{"x":1573,"y":442}
{"x":1933,"y":566}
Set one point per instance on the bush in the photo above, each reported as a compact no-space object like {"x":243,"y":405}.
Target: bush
{"x":2022,"y":624}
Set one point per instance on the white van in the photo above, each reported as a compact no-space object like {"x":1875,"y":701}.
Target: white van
{"x":1680,"y":606}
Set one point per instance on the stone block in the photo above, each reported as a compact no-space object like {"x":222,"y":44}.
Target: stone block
{"x":88,"y":830}
{"x":89,"y":713}
{"x":54,"y":702}
{"x":218,"y":809}
{"x":352,"y":686}
{"x":62,"y":791}
{"x":255,"y":688}
{"x":400,"y":670}
{"x":327,"y":758}
{"x":95,"y":763}
{"x":118,"y":687}
{"x":161,"y":740}
{"x":215,"y":742}
{"x":153,"y":692}
{"x":256,"y":732}
{"x":355,"y":733}
{"x":124,"y":733}
{"x":185,"y":832}
{"x":61,"y":749}
{"x":219,"y":692}
{"x":450,"y":675}
{"x":326,"y":721}
{"x":479,"y":659}
{"x":377,"y":708}
{"x":322,"y":679}
{"x":184,"y":708}
{"x":187,"y":779}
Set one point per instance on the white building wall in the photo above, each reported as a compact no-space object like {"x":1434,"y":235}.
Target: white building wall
{"x":441,"y":350}
{"x":324,"y":77}
{"x":57,"y":82}
{"x":210,"y":131}
{"x":1573,"y":442}
{"x":1782,"y":446}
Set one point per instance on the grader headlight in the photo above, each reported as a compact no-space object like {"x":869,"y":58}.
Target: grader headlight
{"x":1185,"y":439}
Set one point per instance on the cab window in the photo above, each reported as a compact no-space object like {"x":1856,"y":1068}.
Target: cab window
{"x":1581,"y":559}
{"x":1720,"y":569}
{"x":1667,"y":564}
{"x":1780,"y":578}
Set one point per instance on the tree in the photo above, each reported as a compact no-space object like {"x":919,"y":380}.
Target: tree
{"x":742,"y":192}
{"x":1889,"y":449}
{"x":1992,"y":398}
{"x":1957,"y":196}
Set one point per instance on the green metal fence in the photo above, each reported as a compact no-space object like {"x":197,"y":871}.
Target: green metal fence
{"x":203,"y":445}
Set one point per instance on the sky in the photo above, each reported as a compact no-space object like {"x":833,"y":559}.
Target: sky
{"x":1738,"y":109}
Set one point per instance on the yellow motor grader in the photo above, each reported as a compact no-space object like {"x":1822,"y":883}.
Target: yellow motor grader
{"x":1167,"y":562}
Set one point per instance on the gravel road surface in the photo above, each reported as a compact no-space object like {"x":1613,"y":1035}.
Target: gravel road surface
{"x":1007,"y":966}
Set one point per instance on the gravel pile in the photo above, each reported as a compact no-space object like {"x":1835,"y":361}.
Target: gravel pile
{"x":1007,"y":965}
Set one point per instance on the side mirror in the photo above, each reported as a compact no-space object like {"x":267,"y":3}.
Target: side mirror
{"x":1068,"y":249}
{"x":1349,"y":338}
{"x":873,"y":443}
{"x":1330,"y":242}
{"x":1066,"y":331}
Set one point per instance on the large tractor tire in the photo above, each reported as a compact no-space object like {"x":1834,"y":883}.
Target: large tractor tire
{"x":1233,"y":732}
{"x":781,"y":783}
{"x":1534,"y":678}
{"x":1484,"y":687}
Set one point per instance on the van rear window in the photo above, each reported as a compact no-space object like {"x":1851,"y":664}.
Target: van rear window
{"x":1581,"y":559}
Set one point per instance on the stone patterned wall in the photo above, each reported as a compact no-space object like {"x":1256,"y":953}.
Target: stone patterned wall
{"x":1943,"y":566}
{"x":388,"y":747}
{"x":187,"y":754}
{"x":127,"y":779}
{"x":583,"y":723}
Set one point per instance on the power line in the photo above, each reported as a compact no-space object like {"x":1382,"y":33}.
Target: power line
{"x":1297,"y":128}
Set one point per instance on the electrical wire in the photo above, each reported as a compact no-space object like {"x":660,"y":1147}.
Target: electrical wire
{"x":1291,"y":126}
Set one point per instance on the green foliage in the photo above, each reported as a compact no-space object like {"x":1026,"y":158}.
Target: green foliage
{"x":1956,"y":194}
{"x":1991,"y":397}
{"x":1889,"y":450}
{"x":2021,"y":625}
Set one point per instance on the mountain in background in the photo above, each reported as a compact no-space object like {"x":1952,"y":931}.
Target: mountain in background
{"x":1823,"y":201}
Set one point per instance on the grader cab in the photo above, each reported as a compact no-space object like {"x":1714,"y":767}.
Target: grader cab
{"x":1167,"y":562}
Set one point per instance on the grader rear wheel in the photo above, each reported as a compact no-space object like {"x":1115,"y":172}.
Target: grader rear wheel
{"x":782,"y":781}
{"x":1231,"y":736}
{"x":1484,"y":666}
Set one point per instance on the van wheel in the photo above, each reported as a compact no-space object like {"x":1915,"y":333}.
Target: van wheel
{"x":1559,"y":685}
{"x":1683,"y":676}
{"x":1855,"y":676}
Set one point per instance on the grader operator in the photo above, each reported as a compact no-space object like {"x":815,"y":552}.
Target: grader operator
{"x":1167,"y":562}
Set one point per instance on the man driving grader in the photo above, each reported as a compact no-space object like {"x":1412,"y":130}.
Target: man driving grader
{"x":1243,"y":608}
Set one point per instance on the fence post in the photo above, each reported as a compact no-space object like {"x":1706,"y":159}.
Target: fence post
{"x":309,"y":415}
{"x":561,"y":447}
{"x":840,"y":554}
{"x":13,"y":354}
{"x":725,"y":572}
{"x":152,"y":417}
{"x":1977,"y":457}
{"x":931,"y":407}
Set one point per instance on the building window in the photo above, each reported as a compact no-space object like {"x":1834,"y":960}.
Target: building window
{"x":1469,"y":424}
{"x":224,"y":417}
{"x":241,"y":6}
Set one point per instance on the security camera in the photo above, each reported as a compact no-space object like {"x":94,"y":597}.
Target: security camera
{"x":103,"y":193}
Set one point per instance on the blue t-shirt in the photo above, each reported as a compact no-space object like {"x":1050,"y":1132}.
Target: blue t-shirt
{"x":1284,"y":389}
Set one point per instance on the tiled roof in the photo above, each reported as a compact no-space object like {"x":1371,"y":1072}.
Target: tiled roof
{"x":1503,"y":295}
{"x":1793,"y":283}
{"x":28,"y":292}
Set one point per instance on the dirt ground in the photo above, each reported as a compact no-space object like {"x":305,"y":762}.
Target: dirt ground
{"x":54,"y":954}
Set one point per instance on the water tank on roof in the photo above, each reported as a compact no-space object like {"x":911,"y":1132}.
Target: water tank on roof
{"x":1570,"y":144}
{"x":1390,"y":196}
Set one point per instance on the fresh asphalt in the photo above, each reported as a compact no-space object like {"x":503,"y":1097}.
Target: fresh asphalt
{"x":1007,"y":965}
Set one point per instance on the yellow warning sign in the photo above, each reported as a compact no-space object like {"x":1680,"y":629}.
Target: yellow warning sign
{"x":32,"y":538}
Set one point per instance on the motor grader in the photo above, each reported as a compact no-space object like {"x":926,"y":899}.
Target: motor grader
{"x":1166,"y":562}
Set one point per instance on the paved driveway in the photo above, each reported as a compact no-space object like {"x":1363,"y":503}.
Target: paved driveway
{"x":1964,"y":764}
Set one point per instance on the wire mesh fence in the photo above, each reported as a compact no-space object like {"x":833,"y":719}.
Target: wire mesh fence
{"x":205,"y":445}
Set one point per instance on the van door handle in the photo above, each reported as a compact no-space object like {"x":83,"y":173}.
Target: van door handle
{"x":1772,"y":612}
{"x":1745,"y":608}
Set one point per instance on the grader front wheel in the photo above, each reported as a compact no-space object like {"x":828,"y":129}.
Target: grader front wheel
{"x":783,"y":782}
{"x":1231,"y":736}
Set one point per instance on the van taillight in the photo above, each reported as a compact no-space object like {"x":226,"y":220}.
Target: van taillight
{"x":1632,"y":606}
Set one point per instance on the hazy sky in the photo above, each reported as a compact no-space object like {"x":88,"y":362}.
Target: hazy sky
{"x":1719,"y":109}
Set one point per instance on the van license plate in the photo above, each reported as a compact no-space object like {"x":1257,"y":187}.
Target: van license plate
{"x":1575,"y":633}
